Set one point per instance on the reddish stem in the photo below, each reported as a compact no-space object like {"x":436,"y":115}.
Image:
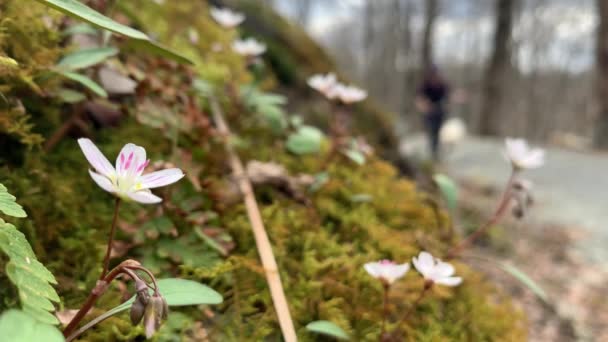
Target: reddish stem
{"x":427,"y":286}
{"x":96,"y":292}
{"x":498,"y":214}
{"x":106,"y":260}
{"x":384,"y":310}
{"x":338,"y":130}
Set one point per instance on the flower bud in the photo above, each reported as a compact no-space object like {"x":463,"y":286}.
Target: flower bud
{"x":137,"y":311}
{"x":139,"y":306}
{"x":156,"y":310}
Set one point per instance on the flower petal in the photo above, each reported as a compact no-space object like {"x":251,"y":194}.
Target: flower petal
{"x":443,"y":269}
{"x":99,"y":162}
{"x":449,"y":281}
{"x":144,"y":196}
{"x":129,"y":160}
{"x":161,"y":178}
{"x":424,"y":263}
{"x":372,"y":269}
{"x":102,"y":181}
{"x":394,"y":272}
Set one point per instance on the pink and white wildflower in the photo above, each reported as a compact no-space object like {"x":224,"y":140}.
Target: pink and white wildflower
{"x":348,"y":94}
{"x":127,"y":180}
{"x":387,"y":271}
{"x":522,"y":156}
{"x":248,"y":47}
{"x":323,"y":83}
{"x":226,"y":17}
{"x":435,"y":271}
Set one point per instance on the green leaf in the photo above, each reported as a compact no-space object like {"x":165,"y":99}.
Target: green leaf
{"x":203,"y":87}
{"x":268,"y":105}
{"x":41,"y":315}
{"x":355,"y":156}
{"x":448,"y":188}
{"x":80,"y":29}
{"x":85,"y":81}
{"x":305,"y":141}
{"x":321,"y":179}
{"x":85,"y":58}
{"x":71,"y":96}
{"x":17,"y":326}
{"x":327,"y":328}
{"x":8,"y":63}
{"x":75,"y":8}
{"x":179,"y":292}
{"x":524,"y":279}
{"x":157,"y":49}
{"x":8,"y":205}
{"x":30,"y":276}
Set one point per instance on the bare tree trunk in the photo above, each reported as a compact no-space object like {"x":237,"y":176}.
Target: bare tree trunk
{"x":498,"y":68}
{"x":368,"y":40}
{"x":408,"y":75}
{"x":431,"y":10}
{"x":601,"y":126}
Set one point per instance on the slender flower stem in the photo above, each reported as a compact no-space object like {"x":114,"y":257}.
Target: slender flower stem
{"x":498,"y":214}
{"x":427,"y":286}
{"x":106,"y":261}
{"x":145,"y":270}
{"x":338,"y":131}
{"x":384,"y":310}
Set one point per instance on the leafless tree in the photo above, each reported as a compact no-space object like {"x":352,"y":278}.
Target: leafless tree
{"x":430,"y":14}
{"x":601,"y":127}
{"x":497,"y":70}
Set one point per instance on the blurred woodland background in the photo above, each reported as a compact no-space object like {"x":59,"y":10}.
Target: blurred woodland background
{"x":532,"y":68}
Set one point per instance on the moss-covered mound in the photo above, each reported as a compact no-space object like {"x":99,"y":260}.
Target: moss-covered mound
{"x":321,"y":238}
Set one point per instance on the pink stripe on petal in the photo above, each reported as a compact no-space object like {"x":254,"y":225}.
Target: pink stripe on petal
{"x":129,"y":161}
{"x":143,"y":166}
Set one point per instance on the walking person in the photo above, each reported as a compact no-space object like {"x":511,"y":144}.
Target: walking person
{"x":431,"y":99}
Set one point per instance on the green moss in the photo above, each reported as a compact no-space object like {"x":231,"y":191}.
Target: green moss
{"x":363,"y":213}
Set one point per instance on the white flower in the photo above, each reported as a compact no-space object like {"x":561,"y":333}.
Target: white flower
{"x":348,"y":94}
{"x":386,"y":270}
{"x":127,"y":181}
{"x":453,"y":131}
{"x":248,"y":47}
{"x":323,"y":83}
{"x":522,"y":156}
{"x":226,"y":17}
{"x":435,"y":270}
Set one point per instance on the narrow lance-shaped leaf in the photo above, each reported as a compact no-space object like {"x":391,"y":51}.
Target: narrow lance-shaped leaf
{"x":81,"y":11}
{"x":85,"y":58}
{"x":524,"y":279}
{"x":327,"y":328}
{"x":85,"y":81}
{"x":448,"y":189}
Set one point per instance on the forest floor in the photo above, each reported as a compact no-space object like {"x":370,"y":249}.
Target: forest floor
{"x":561,"y":244}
